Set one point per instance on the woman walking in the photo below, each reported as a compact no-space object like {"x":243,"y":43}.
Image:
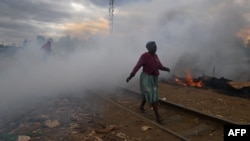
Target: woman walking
{"x":149,"y":77}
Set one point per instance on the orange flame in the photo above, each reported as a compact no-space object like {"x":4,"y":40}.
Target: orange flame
{"x":188,"y":81}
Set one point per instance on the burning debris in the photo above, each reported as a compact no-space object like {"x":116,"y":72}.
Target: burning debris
{"x":188,"y":81}
{"x":227,"y":86}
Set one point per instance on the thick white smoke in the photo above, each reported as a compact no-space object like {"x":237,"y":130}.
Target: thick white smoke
{"x":194,"y":35}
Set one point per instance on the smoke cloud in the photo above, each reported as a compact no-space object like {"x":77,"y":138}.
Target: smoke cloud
{"x":194,"y":35}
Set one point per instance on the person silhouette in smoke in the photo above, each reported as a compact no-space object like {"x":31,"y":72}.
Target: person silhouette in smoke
{"x":47,"y":50}
{"x":149,"y":77}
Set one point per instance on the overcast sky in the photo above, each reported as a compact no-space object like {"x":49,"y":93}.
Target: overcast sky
{"x":21,"y":19}
{"x":196,"y":35}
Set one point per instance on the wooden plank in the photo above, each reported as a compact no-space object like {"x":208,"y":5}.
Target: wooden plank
{"x":239,"y":85}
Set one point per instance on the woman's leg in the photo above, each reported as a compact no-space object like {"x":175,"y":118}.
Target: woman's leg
{"x":143,"y":103}
{"x":155,"y":108}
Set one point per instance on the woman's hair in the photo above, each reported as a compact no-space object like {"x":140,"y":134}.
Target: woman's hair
{"x":150,"y":44}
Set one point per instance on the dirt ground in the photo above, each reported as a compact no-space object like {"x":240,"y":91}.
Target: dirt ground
{"x":208,"y":101}
{"x":77,"y":116}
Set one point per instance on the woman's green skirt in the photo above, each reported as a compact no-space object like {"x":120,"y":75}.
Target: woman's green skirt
{"x":149,"y":87}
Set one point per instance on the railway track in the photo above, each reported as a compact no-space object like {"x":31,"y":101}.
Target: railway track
{"x":186,"y":124}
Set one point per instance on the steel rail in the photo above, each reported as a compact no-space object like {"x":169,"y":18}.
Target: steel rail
{"x":166,"y":102}
{"x":138,"y":115}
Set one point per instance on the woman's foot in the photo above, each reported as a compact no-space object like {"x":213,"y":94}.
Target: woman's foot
{"x":160,"y":119}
